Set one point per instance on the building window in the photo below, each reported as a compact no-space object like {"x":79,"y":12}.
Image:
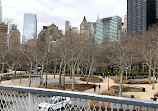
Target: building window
{"x":86,"y":27}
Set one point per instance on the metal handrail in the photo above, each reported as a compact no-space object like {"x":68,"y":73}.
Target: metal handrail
{"x":103,"y":98}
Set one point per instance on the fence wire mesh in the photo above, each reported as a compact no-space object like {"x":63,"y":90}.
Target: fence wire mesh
{"x":23,"y":101}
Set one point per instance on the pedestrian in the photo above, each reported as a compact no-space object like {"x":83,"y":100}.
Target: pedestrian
{"x":103,"y":76}
{"x":155,"y":98}
{"x":156,"y":77}
{"x":94,"y":88}
{"x":106,"y":75}
{"x":99,"y":87}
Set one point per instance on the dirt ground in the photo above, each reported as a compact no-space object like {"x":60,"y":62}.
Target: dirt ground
{"x":149,"y":93}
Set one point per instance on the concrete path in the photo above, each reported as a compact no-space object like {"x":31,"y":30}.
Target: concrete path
{"x":149,"y":93}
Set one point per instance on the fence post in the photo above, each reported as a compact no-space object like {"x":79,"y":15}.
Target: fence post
{"x":30,"y":102}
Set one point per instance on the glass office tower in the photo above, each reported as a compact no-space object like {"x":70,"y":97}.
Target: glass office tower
{"x":140,"y":15}
{"x":29,"y":27}
{"x":108,"y":29}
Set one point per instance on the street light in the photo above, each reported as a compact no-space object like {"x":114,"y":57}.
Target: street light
{"x":108,"y":81}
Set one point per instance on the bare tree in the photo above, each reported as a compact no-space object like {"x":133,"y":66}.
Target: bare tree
{"x":3,"y":45}
{"x":118,"y":53}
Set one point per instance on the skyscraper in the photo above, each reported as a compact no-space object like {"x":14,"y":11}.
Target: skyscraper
{"x":14,"y":40}
{"x":108,"y":29}
{"x":67,"y":28}
{"x":124,"y":27}
{"x":74,"y":31}
{"x":51,"y":33}
{"x":29,"y":27}
{"x":0,"y":11}
{"x":3,"y":36}
{"x":92,"y":28}
{"x":140,"y":15}
{"x":85,"y":28}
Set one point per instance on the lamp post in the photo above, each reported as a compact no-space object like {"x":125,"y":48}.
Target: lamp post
{"x":108,"y":81}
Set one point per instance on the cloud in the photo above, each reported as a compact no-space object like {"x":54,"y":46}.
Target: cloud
{"x":58,"y":11}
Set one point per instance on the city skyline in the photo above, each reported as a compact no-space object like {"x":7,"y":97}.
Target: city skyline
{"x":58,"y":12}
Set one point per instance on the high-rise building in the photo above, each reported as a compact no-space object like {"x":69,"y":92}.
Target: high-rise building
{"x":108,"y":29}
{"x":0,"y":11}
{"x":140,"y":15}
{"x":3,"y":36}
{"x":85,"y":28}
{"x":92,"y":28}
{"x":51,"y":33}
{"x":14,"y":39}
{"x":29,"y":27}
{"x":67,"y":28}
{"x":74,"y":31}
{"x":124,"y":27}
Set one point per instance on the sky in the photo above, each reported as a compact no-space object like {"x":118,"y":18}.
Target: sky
{"x":59,"y":11}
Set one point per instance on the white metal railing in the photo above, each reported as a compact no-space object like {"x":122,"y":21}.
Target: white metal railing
{"x":17,"y":98}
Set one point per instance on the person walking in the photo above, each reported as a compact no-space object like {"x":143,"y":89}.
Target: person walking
{"x":99,"y":87}
{"x":94,"y":88}
{"x":156,"y":77}
{"x":155,"y":98}
{"x":106,"y":75}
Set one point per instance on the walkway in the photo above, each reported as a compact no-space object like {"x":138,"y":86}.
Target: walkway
{"x":149,"y":93}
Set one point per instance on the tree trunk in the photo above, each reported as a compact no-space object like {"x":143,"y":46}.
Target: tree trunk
{"x":78,"y":64}
{"x":14,"y":73}
{"x":41,"y":78}
{"x":0,"y":78}
{"x":2,"y":70}
{"x":55,"y":69}
{"x":70,"y":71}
{"x":140,"y":67}
{"x":82,"y":71}
{"x":91,"y":66}
{"x":143,"y":68}
{"x":121,"y":78}
{"x":46,"y":80}
{"x":68,"y":68}
{"x":73,"y":78}
{"x":30,"y":73}
{"x":63,"y":78}
{"x":36,"y":68}
{"x":61,"y":63}
{"x":86,"y":71}
{"x":20,"y":74}
{"x":153,"y":86}
{"x":130,"y":70}
{"x":150,"y":75}
{"x":126,"y":75}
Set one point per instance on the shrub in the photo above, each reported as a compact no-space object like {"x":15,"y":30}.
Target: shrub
{"x":78,"y":87}
{"x":127,"y":89}
{"x":131,"y":81}
{"x":114,"y":90}
{"x":92,"y":78}
{"x":110,"y":92}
